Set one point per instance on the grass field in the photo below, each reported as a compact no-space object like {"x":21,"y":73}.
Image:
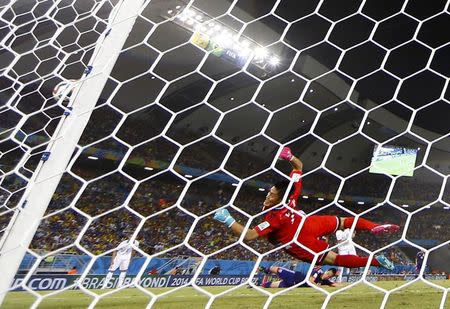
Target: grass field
{"x":417,"y":295}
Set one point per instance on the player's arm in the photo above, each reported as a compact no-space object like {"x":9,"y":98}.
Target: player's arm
{"x":296,"y":175}
{"x":312,"y":279}
{"x":224,"y":216}
{"x":286,"y":154}
{"x":113,"y":256}
{"x":331,"y":283}
{"x":238,"y":228}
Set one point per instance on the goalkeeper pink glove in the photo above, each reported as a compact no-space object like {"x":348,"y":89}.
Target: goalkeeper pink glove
{"x":286,"y":154}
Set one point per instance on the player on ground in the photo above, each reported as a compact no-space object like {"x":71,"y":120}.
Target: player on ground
{"x":346,"y":246}
{"x":290,"y":278}
{"x":120,"y":259}
{"x":281,"y":223}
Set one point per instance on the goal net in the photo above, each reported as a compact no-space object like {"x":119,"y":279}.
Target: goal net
{"x":125,"y":125}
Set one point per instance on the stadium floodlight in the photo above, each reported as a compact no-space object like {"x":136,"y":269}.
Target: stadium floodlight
{"x":234,"y":47}
{"x":189,"y":12}
{"x":244,"y":52}
{"x":245,"y":44}
{"x":182,"y":17}
{"x":274,"y":61}
{"x":260,"y":53}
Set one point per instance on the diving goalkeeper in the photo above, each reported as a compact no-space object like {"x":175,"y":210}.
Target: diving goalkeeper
{"x":281,"y":223}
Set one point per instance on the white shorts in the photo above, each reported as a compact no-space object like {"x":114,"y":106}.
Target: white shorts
{"x":121,"y":263}
{"x":348,"y":250}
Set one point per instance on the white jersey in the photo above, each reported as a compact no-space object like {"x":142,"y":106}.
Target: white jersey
{"x":124,"y":249}
{"x":123,"y":256}
{"x":345,"y":242}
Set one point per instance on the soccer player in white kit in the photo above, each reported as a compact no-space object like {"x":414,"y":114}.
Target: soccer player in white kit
{"x":344,"y":239}
{"x":120,"y":259}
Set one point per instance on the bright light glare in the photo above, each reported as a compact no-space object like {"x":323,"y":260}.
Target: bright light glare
{"x":244,"y":51}
{"x":274,"y":61}
{"x":222,"y":40}
{"x":260,"y":53}
{"x":189,"y":12}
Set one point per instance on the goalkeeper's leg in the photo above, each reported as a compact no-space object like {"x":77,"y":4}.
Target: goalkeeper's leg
{"x":367,"y":225}
{"x":353,"y":261}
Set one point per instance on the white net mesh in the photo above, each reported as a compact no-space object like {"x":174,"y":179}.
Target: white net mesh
{"x":201,"y":100}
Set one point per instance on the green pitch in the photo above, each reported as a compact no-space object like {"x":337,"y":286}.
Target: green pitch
{"x":417,"y":295}
{"x":394,"y":165}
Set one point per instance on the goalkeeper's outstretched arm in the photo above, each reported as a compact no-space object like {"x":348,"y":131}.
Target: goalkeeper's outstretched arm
{"x":286,"y":154}
{"x":297,"y":164}
{"x":224,"y":216}
{"x":296,"y":175}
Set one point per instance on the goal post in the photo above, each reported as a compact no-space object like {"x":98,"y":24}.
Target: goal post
{"x":41,"y":187}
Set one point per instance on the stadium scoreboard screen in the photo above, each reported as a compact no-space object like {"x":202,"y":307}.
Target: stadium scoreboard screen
{"x":394,"y":160}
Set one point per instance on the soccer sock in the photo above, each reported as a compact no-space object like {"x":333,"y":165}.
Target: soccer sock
{"x":264,"y":280}
{"x":121,"y":278}
{"x":341,"y":273}
{"x":352,"y":261}
{"x":107,"y":279}
{"x":361,"y":224}
{"x":267,"y":284}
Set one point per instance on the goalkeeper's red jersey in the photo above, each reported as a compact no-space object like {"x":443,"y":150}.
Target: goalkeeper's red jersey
{"x":280,"y":225}
{"x":282,"y":217}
